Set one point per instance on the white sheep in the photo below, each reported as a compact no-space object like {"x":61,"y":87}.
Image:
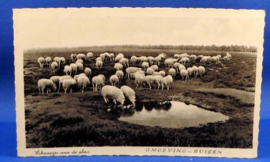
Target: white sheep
{"x":184,"y":55}
{"x":149,"y":79}
{"x":124,"y":62}
{"x":69,"y":84}
{"x":204,"y":59}
{"x":131,"y":70}
{"x":80,"y":56}
{"x":184,"y":74}
{"x":169,"y":62}
{"x":157,"y":60}
{"x":89,"y":56}
{"x":58,"y":60}
{"x":111,"y":57}
{"x":99,"y":64}
{"x":62,"y":61}
{"x":97,"y":82}
{"x":155,"y":67}
{"x":172,"y":72}
{"x":48,"y":61}
{"x":167,"y":81}
{"x":102,"y":56}
{"x":201,"y":70}
{"x":74,"y":68}
{"x":99,"y":59}
{"x":78,"y":75}
{"x":88,"y":72}
{"x":150,"y":71}
{"x":162,"y":56}
{"x":195,"y":71}
{"x":55,"y":79}
{"x":79,"y":66}
{"x":118,"y":66}
{"x":190,"y":71}
{"x":41,"y":61}
{"x":145,"y":65}
{"x":103,"y":77}
{"x":129,"y":93}
{"x":184,"y":60}
{"x":150,"y":59}
{"x":139,"y":80}
{"x":119,"y":74}
{"x":80,"y":61}
{"x":133,"y":60}
{"x":114,"y":93}
{"x":82,"y":82}
{"x":162,"y":73}
{"x":67,"y":70}
{"x":181,"y":67}
{"x":54,"y":66}
{"x":193,"y":57}
{"x":73,"y":57}
{"x":61,"y":81}
{"x":45,"y":84}
{"x":119,"y":56}
{"x":114,"y":80}
{"x":158,"y":81}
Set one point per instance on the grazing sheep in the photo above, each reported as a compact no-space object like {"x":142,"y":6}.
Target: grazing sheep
{"x":184,"y":55}
{"x":155,"y":67}
{"x":181,"y":67}
{"x":133,"y":60}
{"x":55,"y":79}
{"x":145,"y":65}
{"x":150,"y":71}
{"x":41,"y":61}
{"x":158,"y":81}
{"x":119,"y":74}
{"x":103,"y":77}
{"x":193,"y":57}
{"x":99,"y":64}
{"x":97,"y":82}
{"x":118,"y":57}
{"x":172,"y":72}
{"x":139,"y":80}
{"x":184,"y":60}
{"x":169,"y":62}
{"x":102,"y":56}
{"x":79,"y":66}
{"x":201,"y":70}
{"x":78,"y":75}
{"x":62,"y":61}
{"x":58,"y":60}
{"x":150,"y":59}
{"x":131,"y":70}
{"x":74,"y":68}
{"x":167,"y":81}
{"x":177,"y":56}
{"x":48,"y":61}
{"x":204,"y":59}
{"x":89,"y":56}
{"x":142,"y":59}
{"x":113,"y":92}
{"x":54,"y":66}
{"x":111,"y":57}
{"x":184,"y":74}
{"x":61,"y":81}
{"x":80,"y":61}
{"x":124,"y":62}
{"x":82,"y":82}
{"x":157,"y":60}
{"x":114,"y":80}
{"x":118,"y":66}
{"x":69,"y":84}
{"x":129,"y":93}
{"x":45,"y":84}
{"x":162,"y":73}
{"x":156,"y":73}
{"x":176,"y":66}
{"x":190,"y":71}
{"x":88,"y":72}
{"x":80,"y":56}
{"x":99,"y":59}
{"x":149,"y":79}
{"x":195,"y":71}
{"x":162,"y":56}
{"x":73,"y":57}
{"x":67,"y":70}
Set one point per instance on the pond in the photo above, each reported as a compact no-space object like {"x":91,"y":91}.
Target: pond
{"x":172,"y":114}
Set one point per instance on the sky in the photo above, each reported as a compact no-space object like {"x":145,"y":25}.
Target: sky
{"x":91,"y":27}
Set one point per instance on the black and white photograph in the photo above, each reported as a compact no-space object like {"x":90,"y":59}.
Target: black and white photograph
{"x":177,"y":82}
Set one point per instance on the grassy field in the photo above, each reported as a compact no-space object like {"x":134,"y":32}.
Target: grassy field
{"x":81,"y":119}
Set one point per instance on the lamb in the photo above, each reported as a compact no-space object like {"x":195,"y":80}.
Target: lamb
{"x":119,"y":74}
{"x":149,"y":79}
{"x":124,"y":62}
{"x":41,"y":61}
{"x":97,"y":82}
{"x":61,"y":81}
{"x":118,"y":66}
{"x":172,"y":72}
{"x":74,"y":68}
{"x":150,"y":71}
{"x":45,"y":84}
{"x":89,"y":56}
{"x":68,"y":84}
{"x":195,"y":70}
{"x":139,"y":80}
{"x":54,"y":66}
{"x":201,"y":70}
{"x":88,"y":72}
{"x":167,"y":81}
{"x":155,"y":67}
{"x":114,"y":93}
{"x":145,"y":65}
{"x":131,"y":70}
{"x":129,"y":93}
{"x":79,"y":66}
{"x":67,"y":70}
{"x":48,"y":61}
{"x":158,"y":81}
{"x":184,"y":74}
{"x":114,"y":80}
{"x":80,"y":56}
{"x":82,"y":82}
{"x":99,"y":64}
{"x":73,"y":57}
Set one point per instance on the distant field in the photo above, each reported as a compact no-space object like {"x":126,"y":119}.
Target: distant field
{"x":58,"y":120}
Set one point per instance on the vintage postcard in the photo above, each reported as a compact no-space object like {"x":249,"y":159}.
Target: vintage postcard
{"x":138,"y":81}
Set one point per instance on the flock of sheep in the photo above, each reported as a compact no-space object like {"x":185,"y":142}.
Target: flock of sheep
{"x":144,"y":70}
